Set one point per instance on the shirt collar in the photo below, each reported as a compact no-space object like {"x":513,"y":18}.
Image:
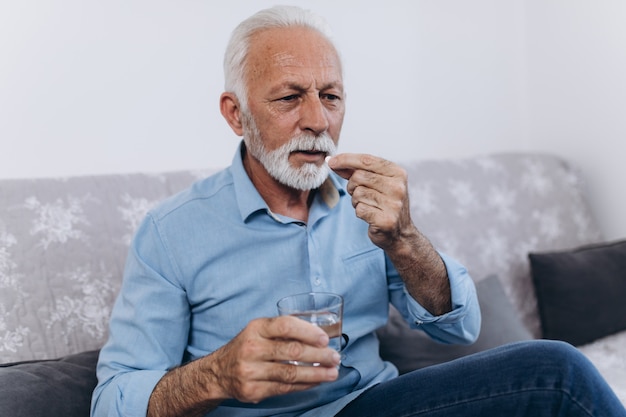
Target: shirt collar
{"x":250,"y":201}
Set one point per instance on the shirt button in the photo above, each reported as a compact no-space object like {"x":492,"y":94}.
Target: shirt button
{"x":318,"y":281}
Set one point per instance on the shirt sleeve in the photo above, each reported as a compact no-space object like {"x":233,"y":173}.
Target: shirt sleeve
{"x":461,"y":325}
{"x":148,"y":327}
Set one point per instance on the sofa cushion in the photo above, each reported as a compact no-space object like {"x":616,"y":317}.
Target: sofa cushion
{"x":411,"y":349}
{"x":581,"y":293}
{"x":59,"y":387}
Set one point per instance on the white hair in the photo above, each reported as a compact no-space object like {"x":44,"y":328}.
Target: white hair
{"x":238,"y":46}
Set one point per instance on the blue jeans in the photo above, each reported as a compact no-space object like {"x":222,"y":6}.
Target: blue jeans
{"x":536,"y":378}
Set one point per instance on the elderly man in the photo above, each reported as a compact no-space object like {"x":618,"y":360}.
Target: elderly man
{"x":194,"y":330}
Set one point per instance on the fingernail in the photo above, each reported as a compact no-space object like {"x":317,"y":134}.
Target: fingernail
{"x":328,"y":158}
{"x":336,"y":357}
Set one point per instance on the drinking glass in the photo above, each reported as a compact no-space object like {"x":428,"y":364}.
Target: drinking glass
{"x":322,"y":309}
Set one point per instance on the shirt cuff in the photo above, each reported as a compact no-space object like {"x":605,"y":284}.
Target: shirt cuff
{"x":127,"y":395}
{"x":462,"y":291}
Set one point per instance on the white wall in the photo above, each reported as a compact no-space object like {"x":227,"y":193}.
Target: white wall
{"x":133,"y":85}
{"x":577,"y":95}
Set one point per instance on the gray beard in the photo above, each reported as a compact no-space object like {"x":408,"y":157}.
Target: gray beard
{"x":307,"y":177}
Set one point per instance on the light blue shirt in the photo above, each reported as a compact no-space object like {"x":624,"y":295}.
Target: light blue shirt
{"x":210,"y":259}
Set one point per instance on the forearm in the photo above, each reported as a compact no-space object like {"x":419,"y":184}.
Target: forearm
{"x":422,"y":270}
{"x":189,"y":391}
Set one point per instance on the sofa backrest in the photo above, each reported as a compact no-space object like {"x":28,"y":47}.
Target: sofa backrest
{"x":63,"y":245}
{"x":490,"y":211}
{"x":63,"y":242}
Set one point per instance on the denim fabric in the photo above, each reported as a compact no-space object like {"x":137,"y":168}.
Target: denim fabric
{"x":533,"y":378}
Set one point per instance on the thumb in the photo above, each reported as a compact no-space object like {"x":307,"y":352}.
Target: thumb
{"x":344,"y":173}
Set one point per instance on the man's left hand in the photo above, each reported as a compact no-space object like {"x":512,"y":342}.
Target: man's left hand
{"x":379,"y":193}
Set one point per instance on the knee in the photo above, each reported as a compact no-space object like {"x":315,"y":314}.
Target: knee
{"x":553,"y":348}
{"x":546,"y":349}
{"x":553,"y":353}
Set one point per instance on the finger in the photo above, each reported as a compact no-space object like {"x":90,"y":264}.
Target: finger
{"x":343,"y":173}
{"x":299,"y":374}
{"x":390,"y":184}
{"x":283,"y":372}
{"x":380,"y":221}
{"x":350,"y":162}
{"x":254,"y":391}
{"x":277,"y":379}
{"x":257,"y":392}
{"x":373,"y":187}
{"x":290,"y":350}
{"x":392,"y":201}
{"x":368,"y":179}
{"x":366,"y":197}
{"x":344,"y":164}
{"x":286,"y":338}
{"x":292,"y":328}
{"x":283,"y":350}
{"x":263,"y":379}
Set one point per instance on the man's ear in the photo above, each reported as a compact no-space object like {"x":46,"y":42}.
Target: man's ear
{"x":229,"y":106}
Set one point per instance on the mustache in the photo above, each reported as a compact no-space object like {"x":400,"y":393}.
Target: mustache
{"x":309,"y":142}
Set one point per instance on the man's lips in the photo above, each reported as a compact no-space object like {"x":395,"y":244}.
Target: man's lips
{"x":311,"y":155}
{"x":311,"y":152}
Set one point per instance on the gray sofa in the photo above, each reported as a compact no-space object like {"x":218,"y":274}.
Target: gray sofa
{"x":519,"y":222}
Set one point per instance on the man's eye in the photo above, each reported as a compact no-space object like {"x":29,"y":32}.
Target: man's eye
{"x":291,"y":97}
{"x":330,"y":97}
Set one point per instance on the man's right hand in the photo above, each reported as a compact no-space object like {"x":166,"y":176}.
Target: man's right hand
{"x":250,"y":368}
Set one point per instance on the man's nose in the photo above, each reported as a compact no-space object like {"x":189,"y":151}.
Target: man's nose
{"x":313,"y":116}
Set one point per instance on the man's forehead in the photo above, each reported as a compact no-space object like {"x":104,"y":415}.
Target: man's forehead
{"x":294,"y":46}
{"x":296,"y":55}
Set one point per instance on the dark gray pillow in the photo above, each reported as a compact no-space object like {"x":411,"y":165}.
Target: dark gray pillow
{"x":411,"y":349}
{"x":60,"y":387}
{"x":581,"y":293}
